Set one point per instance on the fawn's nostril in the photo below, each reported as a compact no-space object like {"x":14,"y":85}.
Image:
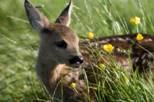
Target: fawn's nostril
{"x":76,"y":60}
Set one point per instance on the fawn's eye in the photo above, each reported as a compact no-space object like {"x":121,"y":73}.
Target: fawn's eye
{"x":61,"y":44}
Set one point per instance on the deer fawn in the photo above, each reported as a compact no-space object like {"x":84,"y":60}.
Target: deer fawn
{"x":61,"y":54}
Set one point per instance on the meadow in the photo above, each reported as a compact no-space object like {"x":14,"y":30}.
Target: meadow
{"x":19,"y":47}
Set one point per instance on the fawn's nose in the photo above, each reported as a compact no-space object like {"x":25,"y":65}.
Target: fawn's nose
{"x":77,"y":60}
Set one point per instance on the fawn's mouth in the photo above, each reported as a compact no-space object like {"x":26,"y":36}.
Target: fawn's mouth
{"x":77,"y":65}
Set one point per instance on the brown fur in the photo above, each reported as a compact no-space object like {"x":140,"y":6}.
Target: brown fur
{"x":126,"y":47}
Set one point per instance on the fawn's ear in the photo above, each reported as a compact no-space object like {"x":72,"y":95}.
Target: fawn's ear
{"x":36,"y":19}
{"x":65,"y":16}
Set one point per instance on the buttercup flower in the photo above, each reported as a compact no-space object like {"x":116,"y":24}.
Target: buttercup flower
{"x":73,"y":85}
{"x":108,"y":48}
{"x":135,"y":20}
{"x":101,"y":66}
{"x":90,"y":35}
{"x":139,"y":37}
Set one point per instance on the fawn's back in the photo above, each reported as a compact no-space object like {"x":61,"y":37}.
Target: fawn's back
{"x":126,"y":47}
{"x":61,"y":54}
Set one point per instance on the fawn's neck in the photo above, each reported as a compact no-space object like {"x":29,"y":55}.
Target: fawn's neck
{"x":48,"y":71}
{"x":45,"y":67}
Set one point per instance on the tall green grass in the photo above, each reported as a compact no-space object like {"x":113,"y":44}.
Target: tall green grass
{"x":19,"y":46}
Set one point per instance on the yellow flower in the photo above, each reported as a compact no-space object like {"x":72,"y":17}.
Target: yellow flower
{"x":135,"y":20}
{"x":108,"y":48}
{"x":139,"y":37}
{"x":73,"y":85}
{"x":90,"y":35}
{"x":101,"y":66}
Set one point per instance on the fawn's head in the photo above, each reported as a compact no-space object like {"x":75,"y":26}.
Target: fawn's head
{"x":58,"y":41}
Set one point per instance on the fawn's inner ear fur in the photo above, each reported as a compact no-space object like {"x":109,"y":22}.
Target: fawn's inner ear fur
{"x":39,"y":21}
{"x":65,"y":16}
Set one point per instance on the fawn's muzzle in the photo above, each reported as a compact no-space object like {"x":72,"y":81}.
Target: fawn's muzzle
{"x":76,"y":60}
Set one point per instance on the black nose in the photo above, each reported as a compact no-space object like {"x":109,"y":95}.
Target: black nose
{"x":76,"y":60}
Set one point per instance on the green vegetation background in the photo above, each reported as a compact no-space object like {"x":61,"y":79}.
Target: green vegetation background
{"x":19,"y":43}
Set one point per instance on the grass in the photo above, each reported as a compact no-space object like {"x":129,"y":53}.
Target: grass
{"x":19,"y":46}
